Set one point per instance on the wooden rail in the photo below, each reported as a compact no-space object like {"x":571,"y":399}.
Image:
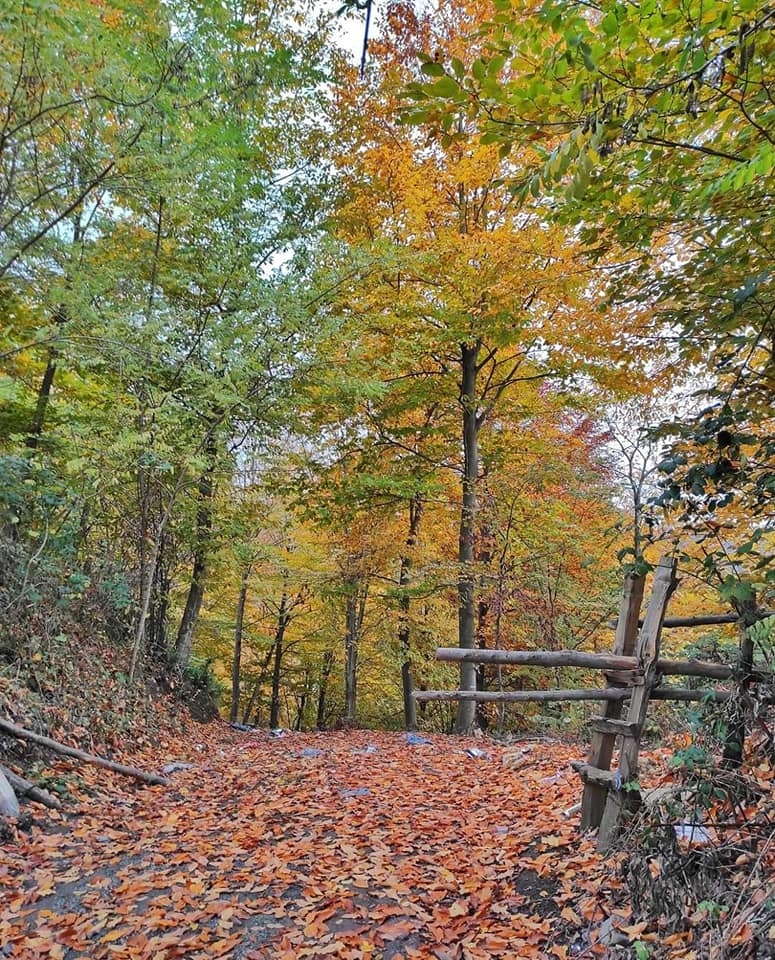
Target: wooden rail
{"x":548,"y":696}
{"x":579,"y":658}
{"x":703,"y":620}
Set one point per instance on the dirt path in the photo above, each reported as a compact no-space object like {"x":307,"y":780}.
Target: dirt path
{"x":352,"y":845}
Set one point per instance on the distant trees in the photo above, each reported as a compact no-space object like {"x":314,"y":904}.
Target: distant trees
{"x":651,"y":128}
{"x":154,"y":159}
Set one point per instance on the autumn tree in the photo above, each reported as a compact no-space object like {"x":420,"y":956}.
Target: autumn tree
{"x":148,"y":193}
{"x":669,"y":151}
{"x":457,"y":291}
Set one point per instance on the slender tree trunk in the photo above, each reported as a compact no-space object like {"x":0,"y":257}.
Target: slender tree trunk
{"x":237,"y":659}
{"x":483,"y":611}
{"x":204,"y":524}
{"x":466,"y":712}
{"x":351,"y":659}
{"x":404,"y":629}
{"x":260,"y":680}
{"x":735,"y":739}
{"x":325,"y":676}
{"x":156,"y":628}
{"x":283,"y":619}
{"x":146,"y":586}
{"x":44,"y":393}
{"x":500,"y":602}
{"x":146,"y":591}
{"x":301,"y":702}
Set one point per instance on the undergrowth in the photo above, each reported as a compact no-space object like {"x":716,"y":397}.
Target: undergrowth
{"x":700,"y":853}
{"x":64,"y":651}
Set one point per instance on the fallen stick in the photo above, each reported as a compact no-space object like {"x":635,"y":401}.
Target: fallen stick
{"x":66,"y":751}
{"x":24,"y":788}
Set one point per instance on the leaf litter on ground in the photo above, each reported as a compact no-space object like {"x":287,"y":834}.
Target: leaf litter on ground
{"x":342,"y":844}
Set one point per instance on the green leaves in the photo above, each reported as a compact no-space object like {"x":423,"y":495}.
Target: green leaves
{"x":433,"y":69}
{"x":446,"y":87}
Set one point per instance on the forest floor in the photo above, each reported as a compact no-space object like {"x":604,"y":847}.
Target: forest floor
{"x":349,"y":845}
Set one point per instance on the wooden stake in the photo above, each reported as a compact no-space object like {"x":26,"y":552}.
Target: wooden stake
{"x":601,"y":748}
{"x":648,"y":653}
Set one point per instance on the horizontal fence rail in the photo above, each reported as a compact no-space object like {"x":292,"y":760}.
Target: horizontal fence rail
{"x":578,"y":658}
{"x":548,"y":696}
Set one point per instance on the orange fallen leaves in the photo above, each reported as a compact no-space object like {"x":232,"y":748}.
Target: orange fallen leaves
{"x":252,"y":848}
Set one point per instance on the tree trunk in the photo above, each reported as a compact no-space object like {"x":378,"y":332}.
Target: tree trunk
{"x":237,"y":660}
{"x":735,"y":740}
{"x":257,"y":686}
{"x":146,"y":590}
{"x":283,"y":619}
{"x":149,"y":568}
{"x":44,"y":395}
{"x":465,"y":718}
{"x":301,"y":702}
{"x":483,"y":611}
{"x":156,"y":627}
{"x":325,"y":675}
{"x":404,"y":629}
{"x":351,"y":660}
{"x":204,"y":524}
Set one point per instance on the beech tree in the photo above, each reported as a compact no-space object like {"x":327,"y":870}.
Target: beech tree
{"x":651,"y":126}
{"x":455,"y":287}
{"x":150,"y":177}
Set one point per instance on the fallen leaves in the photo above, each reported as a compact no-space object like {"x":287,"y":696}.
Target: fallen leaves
{"x":347,"y":845}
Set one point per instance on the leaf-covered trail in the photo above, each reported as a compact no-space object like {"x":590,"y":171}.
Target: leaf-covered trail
{"x":349,"y":845}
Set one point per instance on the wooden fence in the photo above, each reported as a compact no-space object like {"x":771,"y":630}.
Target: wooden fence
{"x":633,"y":672}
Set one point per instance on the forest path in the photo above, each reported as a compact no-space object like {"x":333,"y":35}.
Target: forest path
{"x":349,"y":845}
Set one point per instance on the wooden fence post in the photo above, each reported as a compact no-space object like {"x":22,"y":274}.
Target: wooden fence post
{"x":603,"y":739}
{"x":620,"y":796}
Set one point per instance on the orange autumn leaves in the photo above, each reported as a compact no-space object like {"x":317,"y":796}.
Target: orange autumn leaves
{"x":353,"y":845}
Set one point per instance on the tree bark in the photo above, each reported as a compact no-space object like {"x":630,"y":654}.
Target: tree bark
{"x":66,"y":751}
{"x":204,"y":524}
{"x":325,"y":674}
{"x":156,"y":626}
{"x":283,"y":619}
{"x":44,"y":393}
{"x":257,"y":686}
{"x":404,"y":627}
{"x":302,"y":700}
{"x":148,"y":568}
{"x":351,"y":660}
{"x":748,"y":615}
{"x":465,"y":717}
{"x":237,"y":659}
